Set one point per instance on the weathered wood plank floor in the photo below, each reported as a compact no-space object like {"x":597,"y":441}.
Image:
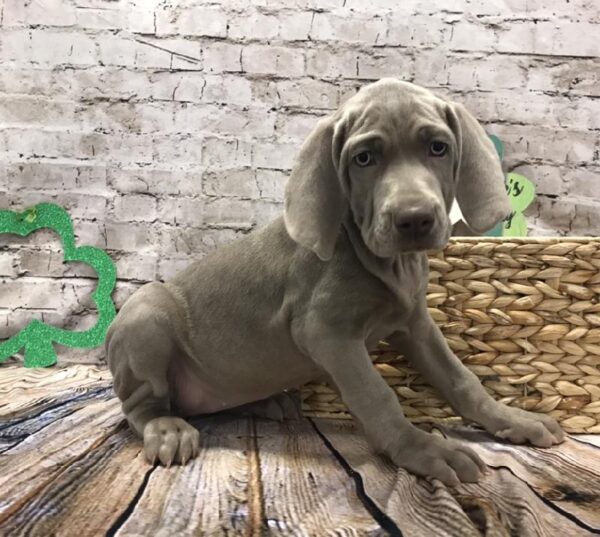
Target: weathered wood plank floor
{"x":69,"y":466}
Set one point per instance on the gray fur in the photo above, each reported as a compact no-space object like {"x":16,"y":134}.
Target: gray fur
{"x":308,"y":295}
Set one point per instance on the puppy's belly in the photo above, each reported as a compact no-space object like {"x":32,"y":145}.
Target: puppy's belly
{"x":192,"y":394}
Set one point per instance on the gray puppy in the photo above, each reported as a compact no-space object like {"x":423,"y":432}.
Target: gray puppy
{"x":307,"y":296}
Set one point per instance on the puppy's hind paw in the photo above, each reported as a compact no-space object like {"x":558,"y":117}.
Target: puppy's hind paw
{"x":170,"y":439}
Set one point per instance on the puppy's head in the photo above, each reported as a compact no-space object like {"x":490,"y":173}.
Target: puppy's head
{"x":395,"y":156}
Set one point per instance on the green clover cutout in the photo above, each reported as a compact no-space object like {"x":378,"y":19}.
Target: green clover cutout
{"x":521,"y":192}
{"x":37,"y":338}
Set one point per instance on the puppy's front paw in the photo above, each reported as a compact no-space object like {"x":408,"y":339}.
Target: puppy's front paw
{"x":520,"y":426}
{"x":431,"y":456}
{"x":170,"y":439}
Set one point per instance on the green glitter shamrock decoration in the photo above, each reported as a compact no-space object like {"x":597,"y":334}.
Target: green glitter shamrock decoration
{"x":37,"y":338}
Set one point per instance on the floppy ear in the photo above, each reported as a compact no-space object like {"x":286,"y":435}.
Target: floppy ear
{"x":480,"y":191}
{"x":314,"y":202}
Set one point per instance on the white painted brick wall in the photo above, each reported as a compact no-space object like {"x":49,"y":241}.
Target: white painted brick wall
{"x":168,"y":128}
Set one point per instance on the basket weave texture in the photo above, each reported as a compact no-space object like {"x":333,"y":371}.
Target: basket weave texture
{"x":522,"y":314}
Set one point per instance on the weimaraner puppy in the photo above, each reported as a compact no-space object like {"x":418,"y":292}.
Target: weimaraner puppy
{"x":307,"y":296}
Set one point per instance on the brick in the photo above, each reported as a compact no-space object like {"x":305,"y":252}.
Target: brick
{"x":54,"y":174}
{"x":219,"y":152}
{"x":103,"y":19}
{"x":46,"y":12}
{"x":229,"y":212}
{"x":222,"y":57}
{"x":575,"y":76}
{"x":177,"y":149}
{"x":577,"y":113}
{"x":6,"y":331}
{"x":194,"y":20}
{"x":115,"y":117}
{"x":276,"y":155}
{"x":131,"y":148}
{"x":380,"y":5}
{"x":79,"y":205}
{"x":20,"y":318}
{"x":583,"y":182}
{"x":305,"y":93}
{"x":327,"y":64}
{"x":163,"y":181}
{"x":195,"y":242}
{"x":8,"y":266}
{"x":170,"y":266}
{"x":57,"y":47}
{"x":30,"y":293}
{"x":574,"y":217}
{"x":266,"y":211}
{"x":384,"y":62}
{"x":90,"y":233}
{"x":271,"y":183}
{"x":431,"y":69}
{"x":227,"y":89}
{"x":138,"y":267}
{"x":253,"y":123}
{"x":549,"y":38}
{"x":123,"y":291}
{"x":558,"y":145}
{"x":116,"y":50}
{"x":42,"y":263}
{"x":416,"y":31}
{"x":295,"y":26}
{"x":296,"y":126}
{"x":488,"y":73}
{"x":254,"y":25}
{"x":472,"y":36}
{"x":135,"y":207}
{"x":47,"y":142}
{"x":279,"y":61}
{"x":548,"y":179}
{"x":300,"y":4}
{"x":356,"y":29}
{"x":187,"y":211}
{"x":41,"y":175}
{"x":235,"y":182}
{"x":129,"y":236}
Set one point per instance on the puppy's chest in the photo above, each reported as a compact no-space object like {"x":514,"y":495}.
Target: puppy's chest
{"x":406,"y":289}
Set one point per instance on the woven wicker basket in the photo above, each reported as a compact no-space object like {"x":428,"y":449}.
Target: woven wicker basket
{"x":522,"y":314}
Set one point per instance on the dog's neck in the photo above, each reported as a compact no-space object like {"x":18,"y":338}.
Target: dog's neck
{"x":392,"y":271}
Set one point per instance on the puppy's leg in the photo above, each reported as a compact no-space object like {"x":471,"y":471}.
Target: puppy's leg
{"x":140,"y":346}
{"x":375,"y":405}
{"x":425,"y":346}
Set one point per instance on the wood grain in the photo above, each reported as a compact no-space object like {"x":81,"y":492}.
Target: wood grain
{"x":69,"y":465}
{"x":23,"y":389}
{"x":416,"y":507}
{"x":306,"y":492}
{"x":566,"y":477}
{"x":208,"y":496}
{"x":502,"y":503}
{"x":28,"y":467}
{"x":89,"y":496}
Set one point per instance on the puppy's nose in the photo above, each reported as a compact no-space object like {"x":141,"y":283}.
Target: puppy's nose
{"x":415,"y":222}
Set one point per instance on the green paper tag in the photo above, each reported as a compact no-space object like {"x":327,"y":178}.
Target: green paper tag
{"x":37,"y":338}
{"x":521,"y":192}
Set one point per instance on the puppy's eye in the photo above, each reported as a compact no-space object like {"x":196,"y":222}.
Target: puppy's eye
{"x":364,"y":159}
{"x":438,"y":149}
